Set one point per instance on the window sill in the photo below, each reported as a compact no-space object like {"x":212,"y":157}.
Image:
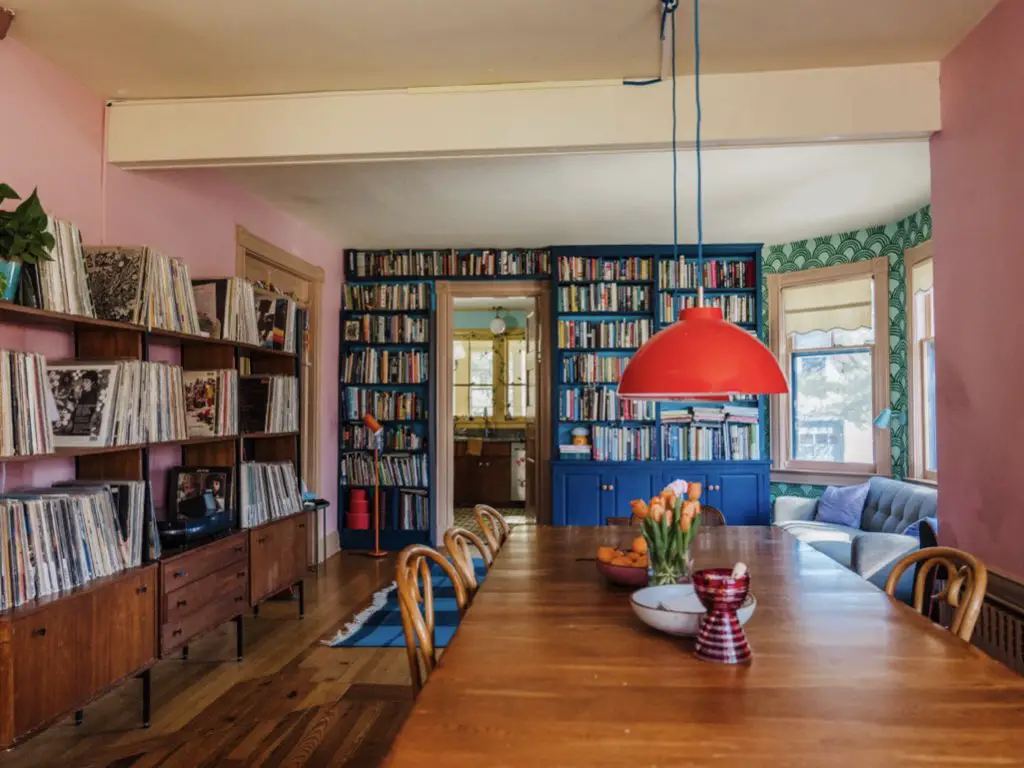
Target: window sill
{"x":815,"y":477}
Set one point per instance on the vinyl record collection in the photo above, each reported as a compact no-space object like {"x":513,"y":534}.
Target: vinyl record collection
{"x":227,"y":309}
{"x":448,"y":263}
{"x":211,"y":402}
{"x":735,"y":309}
{"x":56,"y":539}
{"x":573,"y":268}
{"x":269,"y":491}
{"x":60,"y":285}
{"x":370,"y":298}
{"x":605,"y":297}
{"x":269,"y":403}
{"x":395,"y":470}
{"x":275,"y":320}
{"x":590,"y":368}
{"x":387,"y":329}
{"x":413,"y":510}
{"x":385,"y":366}
{"x":26,"y":405}
{"x":127,"y":402}
{"x":603,"y":334}
{"x":386,"y":406}
{"x":136,"y":284}
{"x":602,"y":404}
{"x":359,"y":438}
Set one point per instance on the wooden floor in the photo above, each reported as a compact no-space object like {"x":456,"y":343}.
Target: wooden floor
{"x":290,"y":702}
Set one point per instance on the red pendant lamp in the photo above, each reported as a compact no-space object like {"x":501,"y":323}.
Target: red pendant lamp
{"x":702,"y":357}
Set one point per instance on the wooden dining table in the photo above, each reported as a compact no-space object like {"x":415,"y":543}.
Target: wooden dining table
{"x":550,"y":667}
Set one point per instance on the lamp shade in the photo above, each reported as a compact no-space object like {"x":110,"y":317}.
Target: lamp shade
{"x":702,"y":357}
{"x":372,"y":424}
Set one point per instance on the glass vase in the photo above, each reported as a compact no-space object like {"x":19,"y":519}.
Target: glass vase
{"x":675,"y":569}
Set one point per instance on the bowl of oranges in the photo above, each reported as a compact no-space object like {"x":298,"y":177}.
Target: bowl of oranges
{"x":626,"y":567}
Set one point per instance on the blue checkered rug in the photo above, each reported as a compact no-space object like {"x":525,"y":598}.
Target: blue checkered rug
{"x":380,"y":624}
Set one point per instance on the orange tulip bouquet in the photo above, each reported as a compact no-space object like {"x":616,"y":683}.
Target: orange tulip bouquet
{"x":669,"y":523}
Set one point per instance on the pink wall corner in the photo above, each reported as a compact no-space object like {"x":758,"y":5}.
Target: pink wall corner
{"x":55,"y":142}
{"x":977,"y":188}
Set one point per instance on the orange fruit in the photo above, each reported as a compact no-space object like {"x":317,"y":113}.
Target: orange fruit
{"x":641,"y":562}
{"x":607,"y":554}
{"x":622,"y":560}
{"x":633,"y":555}
{"x":640,"y":545}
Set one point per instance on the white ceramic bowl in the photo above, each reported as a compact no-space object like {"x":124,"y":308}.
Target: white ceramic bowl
{"x":676,"y":609}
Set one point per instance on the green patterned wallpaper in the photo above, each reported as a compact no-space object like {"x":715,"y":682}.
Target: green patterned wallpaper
{"x":889,"y":241}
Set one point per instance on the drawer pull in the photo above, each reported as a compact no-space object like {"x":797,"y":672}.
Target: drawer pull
{"x":141,"y":590}
{"x":182,"y":603}
{"x":302,"y":525}
{"x":261,"y":539}
{"x":239,"y":550}
{"x":179,"y":574}
{"x":175,"y":633}
{"x":239,"y":599}
{"x":41,"y":632}
{"x":240,"y":574}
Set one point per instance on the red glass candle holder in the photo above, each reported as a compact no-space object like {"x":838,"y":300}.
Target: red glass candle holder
{"x":721,"y":636}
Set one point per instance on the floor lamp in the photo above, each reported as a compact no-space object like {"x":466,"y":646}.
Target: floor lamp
{"x":377,"y":436}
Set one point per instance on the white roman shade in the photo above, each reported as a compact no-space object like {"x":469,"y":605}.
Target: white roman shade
{"x":923,"y":276}
{"x":844,"y":304}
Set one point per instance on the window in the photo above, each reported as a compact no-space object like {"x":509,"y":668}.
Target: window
{"x":829,"y":330}
{"x":921,"y":359}
{"x":489,"y":376}
{"x":474,"y":378}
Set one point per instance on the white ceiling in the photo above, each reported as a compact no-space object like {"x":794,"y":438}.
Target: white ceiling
{"x":769,"y":195}
{"x":189,"y":48}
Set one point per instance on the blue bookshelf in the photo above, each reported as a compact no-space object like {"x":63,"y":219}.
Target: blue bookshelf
{"x":645,"y":456}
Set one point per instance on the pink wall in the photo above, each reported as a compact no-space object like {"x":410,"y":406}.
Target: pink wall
{"x":54,"y":140}
{"x":977,"y":189}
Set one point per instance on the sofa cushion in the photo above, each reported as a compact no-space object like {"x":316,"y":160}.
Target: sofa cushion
{"x":892,"y":505}
{"x":812,"y":530}
{"x":842,"y":506}
{"x":840,"y":551}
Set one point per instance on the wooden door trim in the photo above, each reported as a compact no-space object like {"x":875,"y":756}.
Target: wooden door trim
{"x":444,"y":461}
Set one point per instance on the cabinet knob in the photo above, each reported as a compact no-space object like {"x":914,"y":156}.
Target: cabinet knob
{"x":239,"y":599}
{"x":182,"y":603}
{"x":239,"y":550}
{"x":302,"y":525}
{"x":611,"y":487}
{"x":141,"y":590}
{"x":179,"y":574}
{"x":240,"y":574}
{"x":40,"y":632}
{"x":261,"y":539}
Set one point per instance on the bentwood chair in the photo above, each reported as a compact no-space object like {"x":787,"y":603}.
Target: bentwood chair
{"x":495,"y":529}
{"x":961,"y":584}
{"x":416,"y":589}
{"x":457,"y":541}
{"x":711,"y":517}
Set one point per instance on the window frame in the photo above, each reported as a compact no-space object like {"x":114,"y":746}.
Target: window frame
{"x":781,"y":405}
{"x":917,"y":458}
{"x":499,"y":383}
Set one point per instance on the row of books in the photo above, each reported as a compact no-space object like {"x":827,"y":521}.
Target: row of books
{"x":592,"y":368}
{"x":622,"y":443}
{"x":387,"y":329}
{"x":602,"y":404}
{"x":269,"y":403}
{"x":385,"y":406}
{"x":603,"y":334}
{"x":413,"y":511}
{"x":735,"y":309}
{"x":590,"y":268}
{"x":26,"y":419}
{"x":408,"y":471}
{"x":385,"y":366}
{"x":60,"y":285}
{"x":211,"y":403}
{"x":710,"y":413}
{"x":56,"y":539}
{"x":605,"y":297}
{"x":408,"y":296}
{"x":269,"y":491}
{"x":717,"y":274}
{"x":448,"y":263}
{"x":710,"y":442}
{"x":359,"y":438}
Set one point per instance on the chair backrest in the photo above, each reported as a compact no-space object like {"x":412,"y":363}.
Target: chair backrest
{"x":625,"y":520}
{"x":415,"y":586}
{"x":962,"y":586}
{"x":457,"y":541}
{"x":495,"y":529}
{"x":892,"y":505}
{"x":711,"y":516}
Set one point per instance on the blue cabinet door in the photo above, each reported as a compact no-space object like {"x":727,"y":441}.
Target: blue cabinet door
{"x":580,"y":498}
{"x":624,"y":485}
{"x":740,"y":498}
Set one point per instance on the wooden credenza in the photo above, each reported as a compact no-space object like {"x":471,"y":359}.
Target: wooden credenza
{"x":202,"y":588}
{"x":278,"y":558}
{"x":60,"y":654}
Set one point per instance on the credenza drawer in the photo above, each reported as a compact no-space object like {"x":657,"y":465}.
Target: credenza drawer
{"x":193,"y":597}
{"x":183,"y":569}
{"x":174,"y":634}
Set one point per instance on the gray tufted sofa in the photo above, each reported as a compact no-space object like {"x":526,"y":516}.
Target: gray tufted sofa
{"x":871,"y":549}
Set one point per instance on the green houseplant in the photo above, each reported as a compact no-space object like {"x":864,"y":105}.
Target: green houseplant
{"x":23,"y":238}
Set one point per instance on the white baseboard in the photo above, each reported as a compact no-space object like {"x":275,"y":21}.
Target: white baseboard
{"x":332,"y":545}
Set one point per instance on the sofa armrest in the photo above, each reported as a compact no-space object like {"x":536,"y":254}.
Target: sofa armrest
{"x":788,"y":509}
{"x":873,"y":551}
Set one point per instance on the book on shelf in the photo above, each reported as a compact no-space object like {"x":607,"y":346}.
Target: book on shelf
{"x":592,"y":368}
{"x":358,"y":438}
{"x":385,"y":366}
{"x":448,"y":263}
{"x":366,"y":298}
{"x":735,"y":309}
{"x":413,"y":510}
{"x":387,"y":329}
{"x":56,"y":539}
{"x":683,"y":275}
{"x":269,"y":403}
{"x":137,"y":284}
{"x":60,"y":285}
{"x":227,"y":309}
{"x":602,"y":404}
{"x":605,"y":297}
{"x":711,"y":433}
{"x":604,"y":268}
{"x":384,"y":405}
{"x":394,"y":470}
{"x":127,"y":402}
{"x":604,"y":334}
{"x":275,"y":320}
{"x":568,"y":452}
{"x":27,"y":407}
{"x":622,"y":443}
{"x":211,"y":402}
{"x":269,"y":491}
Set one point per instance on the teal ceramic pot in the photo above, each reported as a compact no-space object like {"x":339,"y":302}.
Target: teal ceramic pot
{"x":10,"y":273}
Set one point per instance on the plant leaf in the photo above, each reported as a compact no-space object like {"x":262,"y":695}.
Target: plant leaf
{"x":6,"y":193}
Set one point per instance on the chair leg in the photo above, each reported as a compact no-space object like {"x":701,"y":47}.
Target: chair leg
{"x":184,"y":653}
{"x":147,"y":697}
{"x":79,"y":716}
{"x":239,"y":641}
{"x":302,"y":599}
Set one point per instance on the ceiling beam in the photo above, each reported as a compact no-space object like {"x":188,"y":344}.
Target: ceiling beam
{"x":753,"y":109}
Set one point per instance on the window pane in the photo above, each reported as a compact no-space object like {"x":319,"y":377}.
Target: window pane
{"x":461,"y":355}
{"x":836,"y":338}
{"x":461,"y":401}
{"x":930,"y":431}
{"x":481,"y":363}
{"x":516,"y":401}
{"x":481,"y":401}
{"x":832,"y":407}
